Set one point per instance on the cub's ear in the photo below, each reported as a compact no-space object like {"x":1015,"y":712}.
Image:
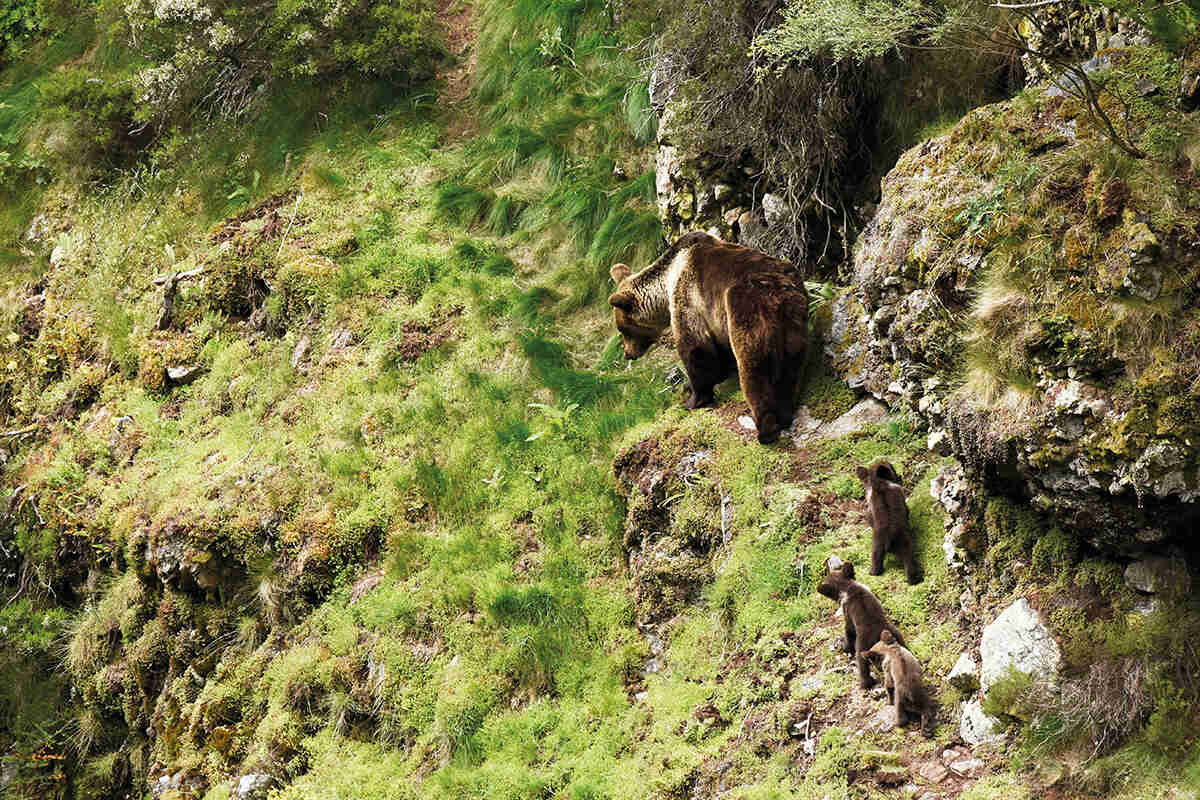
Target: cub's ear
{"x":864,"y":474}
{"x":847,"y":570}
{"x":623,"y":300}
{"x":886,"y":637}
{"x":620,"y":272}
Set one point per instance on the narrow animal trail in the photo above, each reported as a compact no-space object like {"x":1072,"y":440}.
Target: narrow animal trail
{"x":458,"y":20}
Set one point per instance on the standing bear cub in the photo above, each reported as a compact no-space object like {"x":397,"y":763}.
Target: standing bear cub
{"x":865,"y":619}
{"x":728,"y":307}
{"x":904,"y":682}
{"x":888,"y":514}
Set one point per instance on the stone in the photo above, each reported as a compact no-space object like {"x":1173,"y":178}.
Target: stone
{"x":977,"y":728}
{"x":938,"y":442}
{"x":932,"y":772}
{"x":58,"y":255}
{"x":1018,"y":639}
{"x":775,"y":209}
{"x":253,"y":786}
{"x":867,"y":411}
{"x":300,"y":351}
{"x":884,"y":720}
{"x":967,"y":767}
{"x":1159,"y":575}
{"x":181,"y":375}
{"x":964,"y":676}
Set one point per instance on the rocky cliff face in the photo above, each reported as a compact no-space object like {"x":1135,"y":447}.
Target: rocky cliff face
{"x":1032,"y":297}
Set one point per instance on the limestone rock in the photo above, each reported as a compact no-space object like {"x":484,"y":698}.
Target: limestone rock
{"x":964,"y":676}
{"x":976,"y":727}
{"x":1159,"y":575}
{"x":1019,"y":640}
{"x":253,"y":786}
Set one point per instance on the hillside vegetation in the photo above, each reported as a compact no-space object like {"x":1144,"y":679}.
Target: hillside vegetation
{"x":324,"y":476}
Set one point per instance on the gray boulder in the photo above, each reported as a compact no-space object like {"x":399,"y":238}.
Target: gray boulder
{"x":1019,"y":640}
{"x":1159,"y":575}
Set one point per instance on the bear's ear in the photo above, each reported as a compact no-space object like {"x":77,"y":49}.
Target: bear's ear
{"x":864,"y":474}
{"x":620,"y":272}
{"x":623,"y":300}
{"x":847,"y":570}
{"x":885,"y":636}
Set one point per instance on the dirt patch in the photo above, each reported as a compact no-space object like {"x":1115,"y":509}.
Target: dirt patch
{"x":258,"y":224}
{"x":418,"y":337}
{"x":458,"y":22}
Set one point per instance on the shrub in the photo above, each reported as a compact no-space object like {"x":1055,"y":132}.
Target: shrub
{"x":219,"y":60}
{"x":104,"y":113}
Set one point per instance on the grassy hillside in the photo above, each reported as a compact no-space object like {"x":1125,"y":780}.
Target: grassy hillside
{"x":343,"y":510}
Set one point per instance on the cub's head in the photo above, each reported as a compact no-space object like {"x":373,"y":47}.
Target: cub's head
{"x":885,"y":645}
{"x":880,"y":470}
{"x":638,"y":334}
{"x":838,"y":576}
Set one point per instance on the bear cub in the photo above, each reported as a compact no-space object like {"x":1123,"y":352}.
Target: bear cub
{"x":865,"y":620}
{"x":887,"y":513}
{"x":729,"y":307}
{"x":903,"y":680}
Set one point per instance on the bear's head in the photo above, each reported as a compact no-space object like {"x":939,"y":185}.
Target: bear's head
{"x":883,"y":649}
{"x":638,"y":332}
{"x":838,"y":577}
{"x":881,"y":470}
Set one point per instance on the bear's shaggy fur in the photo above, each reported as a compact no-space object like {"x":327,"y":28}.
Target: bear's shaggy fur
{"x":888,"y":514}
{"x":863,"y":613}
{"x":902,"y":677}
{"x":728,"y":307}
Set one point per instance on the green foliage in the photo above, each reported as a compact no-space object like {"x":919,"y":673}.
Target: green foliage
{"x":103,"y":112}
{"x":1172,"y":23}
{"x":218,"y":61}
{"x":855,"y":30}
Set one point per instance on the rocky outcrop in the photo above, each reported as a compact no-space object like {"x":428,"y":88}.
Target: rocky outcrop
{"x":669,"y":543}
{"x":1038,"y":320}
{"x":701,"y":192}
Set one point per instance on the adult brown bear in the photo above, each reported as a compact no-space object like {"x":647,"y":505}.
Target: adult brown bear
{"x":728,"y":307}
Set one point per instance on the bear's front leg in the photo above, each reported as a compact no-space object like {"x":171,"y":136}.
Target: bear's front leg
{"x":865,"y":679}
{"x":705,"y":370}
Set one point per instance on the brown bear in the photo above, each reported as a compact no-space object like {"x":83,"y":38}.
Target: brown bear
{"x":728,"y":307}
{"x":903,"y":680}
{"x":888,"y":515}
{"x":863,"y":613}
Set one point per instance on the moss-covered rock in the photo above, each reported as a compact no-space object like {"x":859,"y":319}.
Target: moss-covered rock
{"x":1029,"y":286}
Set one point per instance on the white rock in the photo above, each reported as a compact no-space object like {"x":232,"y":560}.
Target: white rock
{"x":58,"y":255}
{"x":252,"y":785}
{"x":964,"y":676}
{"x":976,"y":727}
{"x":1018,"y":639}
{"x":775,"y":208}
{"x":746,"y":422}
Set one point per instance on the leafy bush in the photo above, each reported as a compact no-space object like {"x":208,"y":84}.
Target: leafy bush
{"x":104,"y":112}
{"x":18,"y":19}
{"x":219,"y":59}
